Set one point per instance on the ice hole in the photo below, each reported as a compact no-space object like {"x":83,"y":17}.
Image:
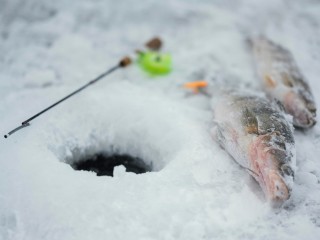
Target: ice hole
{"x":103,"y":164}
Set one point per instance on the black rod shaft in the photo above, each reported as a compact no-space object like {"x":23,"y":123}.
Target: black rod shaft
{"x":123,"y":63}
{"x":71,"y":94}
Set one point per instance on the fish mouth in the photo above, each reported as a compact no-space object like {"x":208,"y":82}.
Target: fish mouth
{"x":305,"y":119}
{"x":310,"y":122}
{"x":271,"y":172}
{"x":303,"y":111}
{"x":274,"y":186}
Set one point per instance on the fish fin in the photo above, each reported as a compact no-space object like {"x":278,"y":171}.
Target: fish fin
{"x":286,"y":170}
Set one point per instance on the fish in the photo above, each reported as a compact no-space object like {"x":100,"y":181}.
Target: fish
{"x":283,"y":80}
{"x":258,"y":134}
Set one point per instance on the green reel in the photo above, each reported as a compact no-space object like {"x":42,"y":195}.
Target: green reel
{"x":155,"y":63}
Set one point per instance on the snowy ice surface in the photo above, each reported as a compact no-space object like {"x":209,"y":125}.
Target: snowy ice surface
{"x":196,"y":191}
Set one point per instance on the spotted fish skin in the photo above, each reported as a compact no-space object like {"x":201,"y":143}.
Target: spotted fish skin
{"x":283,"y":81}
{"x":258,"y":135}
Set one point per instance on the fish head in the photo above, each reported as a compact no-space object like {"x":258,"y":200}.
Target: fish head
{"x":271,"y":165}
{"x":301,"y":107}
{"x":275,"y":174}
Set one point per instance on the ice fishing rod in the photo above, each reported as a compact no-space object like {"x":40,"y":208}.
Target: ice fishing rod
{"x":153,"y":44}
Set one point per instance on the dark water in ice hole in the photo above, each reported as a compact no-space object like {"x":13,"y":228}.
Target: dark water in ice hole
{"x":103,"y":164}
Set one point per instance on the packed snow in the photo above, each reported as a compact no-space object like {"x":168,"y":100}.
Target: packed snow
{"x":196,"y":190}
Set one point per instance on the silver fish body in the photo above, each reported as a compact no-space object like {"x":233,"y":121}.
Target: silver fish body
{"x":283,"y":81}
{"x":257,"y":134}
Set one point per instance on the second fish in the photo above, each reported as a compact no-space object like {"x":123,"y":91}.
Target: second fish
{"x":283,"y":81}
